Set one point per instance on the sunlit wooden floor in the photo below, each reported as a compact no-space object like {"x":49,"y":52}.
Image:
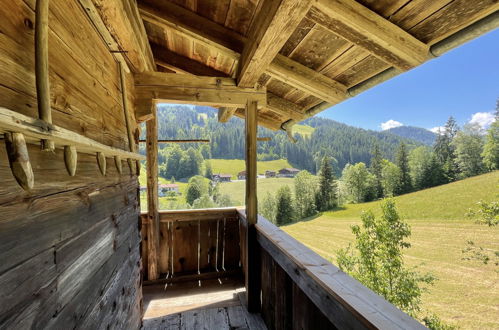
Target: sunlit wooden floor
{"x":206,"y":304}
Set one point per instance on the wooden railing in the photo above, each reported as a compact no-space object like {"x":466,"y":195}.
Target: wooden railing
{"x":195,"y":244}
{"x":300,"y":289}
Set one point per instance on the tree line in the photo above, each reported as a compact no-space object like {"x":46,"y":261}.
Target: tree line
{"x":342,"y":143}
{"x":456,"y":154}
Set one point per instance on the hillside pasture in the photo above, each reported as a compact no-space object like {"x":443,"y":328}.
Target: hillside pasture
{"x":466,"y":293}
{"x":236,"y":189}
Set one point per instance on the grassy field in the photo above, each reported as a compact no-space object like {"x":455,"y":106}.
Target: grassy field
{"x":236,"y":189}
{"x":304,"y":130}
{"x":467,"y":291}
{"x":234,"y":166}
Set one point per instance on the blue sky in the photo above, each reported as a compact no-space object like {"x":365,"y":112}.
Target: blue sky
{"x":461,"y":83}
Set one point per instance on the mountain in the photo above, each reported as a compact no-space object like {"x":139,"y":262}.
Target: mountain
{"x":415,"y":133}
{"x":324,"y":137}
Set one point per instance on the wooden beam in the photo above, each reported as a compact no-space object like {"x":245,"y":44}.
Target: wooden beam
{"x":306,"y":79}
{"x":152,"y":197}
{"x":225,"y":113}
{"x":363,"y":27}
{"x":194,"y":27}
{"x":284,"y":107}
{"x":274,"y":25}
{"x":120,"y":26}
{"x":188,"y":23}
{"x":180,"y":141}
{"x":35,"y":130}
{"x":182,"y":64}
{"x":252,"y":273}
{"x":212,"y":91}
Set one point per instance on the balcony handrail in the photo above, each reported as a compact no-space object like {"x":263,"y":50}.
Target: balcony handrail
{"x":342,"y":299}
{"x":193,"y":214}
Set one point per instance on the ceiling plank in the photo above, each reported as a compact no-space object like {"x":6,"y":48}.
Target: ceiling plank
{"x":306,"y":79}
{"x":363,"y":27}
{"x":284,"y":67}
{"x":179,"y":63}
{"x":211,"y":91}
{"x":271,"y":29}
{"x":192,"y":26}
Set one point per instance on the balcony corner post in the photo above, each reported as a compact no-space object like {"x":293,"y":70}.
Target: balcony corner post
{"x":252,"y":276}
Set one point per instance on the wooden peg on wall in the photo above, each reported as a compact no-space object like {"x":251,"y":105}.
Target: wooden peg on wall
{"x":137,"y":162}
{"x":101,"y":161}
{"x":19,"y":160}
{"x":70,"y":159}
{"x":42,"y":67}
{"x":131,"y":165}
{"x":117,"y":162}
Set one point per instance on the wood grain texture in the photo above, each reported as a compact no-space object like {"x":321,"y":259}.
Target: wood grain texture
{"x":271,"y":29}
{"x":152,"y":196}
{"x":70,"y":245}
{"x":365,"y":28}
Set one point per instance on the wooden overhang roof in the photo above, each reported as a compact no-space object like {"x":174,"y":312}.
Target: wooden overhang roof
{"x":309,"y":54}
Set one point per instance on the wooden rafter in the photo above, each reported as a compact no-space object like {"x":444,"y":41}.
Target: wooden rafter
{"x":212,"y":91}
{"x":274,"y":25}
{"x":306,"y":79}
{"x":182,"y":64}
{"x":363,"y":27}
{"x":214,"y":36}
{"x":284,"y":107}
{"x":167,"y":15}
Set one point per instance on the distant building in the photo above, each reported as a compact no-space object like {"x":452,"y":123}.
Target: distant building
{"x":163,"y":189}
{"x":270,"y":174}
{"x":241,"y":175}
{"x":222,"y":177}
{"x":288,"y":172}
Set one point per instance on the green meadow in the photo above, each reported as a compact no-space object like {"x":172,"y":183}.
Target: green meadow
{"x":466,"y":293}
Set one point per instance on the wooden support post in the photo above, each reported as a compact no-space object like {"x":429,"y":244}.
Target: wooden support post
{"x":152,"y":196}
{"x":252,"y":276}
{"x":42,"y":67}
{"x":70,"y":159}
{"x":17,"y":152}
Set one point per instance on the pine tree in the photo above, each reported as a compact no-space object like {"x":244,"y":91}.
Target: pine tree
{"x":444,"y":149}
{"x":402,"y":162}
{"x":208,"y":172}
{"x":490,"y":152}
{"x":376,"y":168}
{"x":327,"y":196}
{"x":284,"y":210}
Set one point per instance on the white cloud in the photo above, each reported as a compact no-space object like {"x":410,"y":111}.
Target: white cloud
{"x":484,"y":119}
{"x":390,"y":124}
{"x":437,"y":130}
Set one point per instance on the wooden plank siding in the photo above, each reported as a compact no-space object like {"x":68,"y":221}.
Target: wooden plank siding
{"x":196,"y":242}
{"x":69,"y":247}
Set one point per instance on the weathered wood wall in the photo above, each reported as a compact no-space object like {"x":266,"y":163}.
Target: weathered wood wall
{"x":69,"y":249}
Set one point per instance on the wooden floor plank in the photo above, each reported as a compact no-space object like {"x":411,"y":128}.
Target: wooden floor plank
{"x":237,"y":321}
{"x":211,"y":304}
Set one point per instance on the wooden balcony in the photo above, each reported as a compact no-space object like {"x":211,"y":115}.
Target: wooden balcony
{"x":203,"y":266}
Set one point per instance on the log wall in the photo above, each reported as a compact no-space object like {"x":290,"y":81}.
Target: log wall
{"x":69,"y":248}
